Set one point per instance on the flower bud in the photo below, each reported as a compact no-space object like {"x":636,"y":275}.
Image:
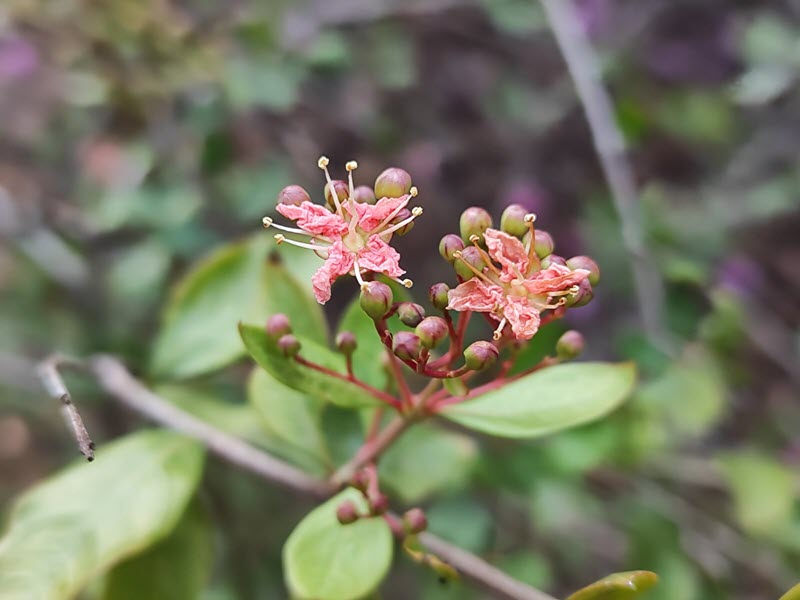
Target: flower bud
{"x":584,"y":262}
{"x":346,"y":342}
{"x":472,"y":256}
{"x":347,"y":512}
{"x":513,"y":220}
{"x":406,"y":345}
{"x":431,"y":331}
{"x":480,"y":355}
{"x":438,"y":295}
{"x":342,"y":192}
{"x":543,"y":244}
{"x":402,"y":216}
{"x":293,"y":195}
{"x":450,"y":244}
{"x":474,"y":221}
{"x":392,"y":183}
{"x":410,"y":314}
{"x":278,"y":326}
{"x":289,"y":345}
{"x":569,"y":345}
{"x":376,"y":298}
{"x":553,"y":259}
{"x":584,"y":295}
{"x":414,"y":521}
{"x":364,"y":194}
{"x":378,"y":503}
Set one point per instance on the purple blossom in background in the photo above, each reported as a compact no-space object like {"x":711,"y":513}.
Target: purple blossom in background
{"x":18,"y":58}
{"x":740,"y":276}
{"x":593,"y":15}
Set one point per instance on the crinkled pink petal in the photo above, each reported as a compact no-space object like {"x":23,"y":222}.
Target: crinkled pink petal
{"x":554,"y":278}
{"x":523,"y":318}
{"x":314,"y":219}
{"x":374,"y":214}
{"x":380,"y":257}
{"x":475,"y":295}
{"x":339,"y":262}
{"x":508,"y":251}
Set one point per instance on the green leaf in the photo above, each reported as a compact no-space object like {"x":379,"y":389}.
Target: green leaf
{"x":548,"y":400}
{"x":177,"y":567}
{"x":324,"y":560}
{"x":461,"y":520}
{"x":234,"y":283}
{"x":792,"y":594}
{"x":427,"y":460}
{"x":301,"y":378}
{"x":763,"y":491}
{"x":80,"y":522}
{"x":619,"y":586}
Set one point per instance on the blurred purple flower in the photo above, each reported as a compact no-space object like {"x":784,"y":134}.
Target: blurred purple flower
{"x":740,"y":276}
{"x":593,"y":15}
{"x":18,"y":58}
{"x":526,"y":193}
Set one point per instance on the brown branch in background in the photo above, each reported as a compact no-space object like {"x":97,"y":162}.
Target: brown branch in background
{"x":609,"y":144}
{"x":117,"y":381}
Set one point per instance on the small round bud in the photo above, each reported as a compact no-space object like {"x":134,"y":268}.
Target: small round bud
{"x":543,"y":245}
{"x":431,"y":331}
{"x":449,"y":245}
{"x":480,"y":355}
{"x":553,"y":259}
{"x":410,"y":314}
{"x":406,"y":345}
{"x":346,"y":342}
{"x":293,"y":195}
{"x":438,"y":295}
{"x":378,"y":503}
{"x":474,"y":221}
{"x":584,"y":295}
{"x":347,"y":512}
{"x":278,"y":326}
{"x":513,"y":220}
{"x":364,"y":194}
{"x":289,"y":345}
{"x":414,"y":521}
{"x":584,"y":262}
{"x":392,"y":183}
{"x":376,"y":298}
{"x":569,"y":345}
{"x":342,"y":192}
{"x":402,"y":216}
{"x":472,"y":257}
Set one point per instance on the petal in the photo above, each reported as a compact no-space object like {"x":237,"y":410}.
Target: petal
{"x":523,"y":318}
{"x":373,"y":215}
{"x":475,"y":295}
{"x":339,"y":262}
{"x":507,"y":250}
{"x":380,"y":257}
{"x":315,"y":219}
{"x":554,"y":278}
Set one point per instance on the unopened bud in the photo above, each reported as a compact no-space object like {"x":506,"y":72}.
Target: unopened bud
{"x":293,"y":195}
{"x":544,"y":245}
{"x":346,"y":342}
{"x":414,"y":521}
{"x":278,"y":326}
{"x":431,"y":331}
{"x":410,"y":314}
{"x":392,"y":183}
{"x":378,"y":503}
{"x":438,"y":295}
{"x":513,"y":220}
{"x":449,"y":245}
{"x":569,"y":345}
{"x":406,"y":345}
{"x":584,"y":295}
{"x":289,"y":345}
{"x":553,"y":259}
{"x":364,"y":194}
{"x":376,"y":298}
{"x":347,"y":512}
{"x":470,"y":257}
{"x":342,"y":192}
{"x":402,"y":216}
{"x":480,"y":355}
{"x":584,"y":262}
{"x":474,"y":221}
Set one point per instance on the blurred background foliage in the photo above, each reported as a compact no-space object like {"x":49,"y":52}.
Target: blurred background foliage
{"x":140,"y":136}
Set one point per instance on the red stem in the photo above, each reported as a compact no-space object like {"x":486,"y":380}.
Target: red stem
{"x":382,"y":396}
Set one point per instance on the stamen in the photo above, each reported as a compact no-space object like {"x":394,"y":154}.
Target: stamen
{"x":485,"y":255}
{"x":561,"y":302}
{"x":413,"y":191}
{"x":392,"y":214}
{"x":406,"y":283}
{"x":351,"y":166}
{"x":268,"y":222}
{"x":457,"y":255}
{"x":280,"y":239}
{"x":498,"y":333}
{"x":415,"y":212}
{"x":357,"y":273}
{"x":530,"y":218}
{"x":322,"y":163}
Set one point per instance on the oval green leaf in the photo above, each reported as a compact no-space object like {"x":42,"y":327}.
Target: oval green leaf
{"x":619,"y":586}
{"x":547,"y":401}
{"x":80,"y":522}
{"x":792,"y":594}
{"x":324,"y":560}
{"x":301,"y":378}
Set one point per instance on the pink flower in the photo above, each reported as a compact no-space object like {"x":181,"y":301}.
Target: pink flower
{"x":353,"y":239}
{"x":517,"y":291}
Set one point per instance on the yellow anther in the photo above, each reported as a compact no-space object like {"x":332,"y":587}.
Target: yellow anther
{"x":351,"y":165}
{"x":266,"y":221}
{"x":529,"y":218}
{"x":323,"y":162}
{"x":407,"y":283}
{"x":413,"y":191}
{"x":280,"y":238}
{"x":474,"y":238}
{"x":457,"y":254}
{"x":416,"y":211}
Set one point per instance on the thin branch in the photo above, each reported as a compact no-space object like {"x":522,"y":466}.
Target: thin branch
{"x":117,"y":381}
{"x":609,"y":144}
